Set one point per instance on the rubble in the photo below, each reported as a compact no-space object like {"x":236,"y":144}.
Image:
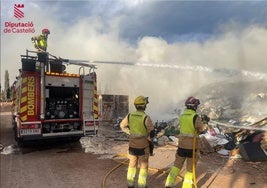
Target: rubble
{"x":241,"y":121}
{"x":222,"y":140}
{"x":217,"y":139}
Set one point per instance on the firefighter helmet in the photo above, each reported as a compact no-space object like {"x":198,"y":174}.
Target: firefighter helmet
{"x":192,"y":103}
{"x":45,"y":31}
{"x":141,"y":101}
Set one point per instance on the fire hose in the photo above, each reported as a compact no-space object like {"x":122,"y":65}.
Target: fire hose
{"x":125,"y":162}
{"x":42,"y":51}
{"x":250,"y":127}
{"x":113,"y":169}
{"x":194,"y":160}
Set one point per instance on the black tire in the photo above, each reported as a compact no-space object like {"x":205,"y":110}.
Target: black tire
{"x":15,"y":130}
{"x":20,"y":142}
{"x":75,"y":138}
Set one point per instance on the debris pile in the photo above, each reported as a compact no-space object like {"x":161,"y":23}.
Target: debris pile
{"x":238,"y":120}
{"x":235,"y":142}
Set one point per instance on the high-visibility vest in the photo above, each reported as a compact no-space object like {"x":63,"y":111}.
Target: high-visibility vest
{"x":137,"y":124}
{"x":42,"y":42}
{"x":187,"y":127}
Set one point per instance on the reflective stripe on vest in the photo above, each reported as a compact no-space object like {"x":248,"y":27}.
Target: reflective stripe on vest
{"x":187,"y":135}
{"x":187,"y":127}
{"x":137,"y":124}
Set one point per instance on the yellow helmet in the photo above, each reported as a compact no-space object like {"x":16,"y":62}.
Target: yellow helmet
{"x":141,"y":101}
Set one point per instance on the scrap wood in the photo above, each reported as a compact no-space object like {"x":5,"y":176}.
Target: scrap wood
{"x":260,"y":122}
{"x":259,"y":125}
{"x":209,"y":182}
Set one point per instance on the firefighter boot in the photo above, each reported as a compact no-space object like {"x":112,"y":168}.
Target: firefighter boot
{"x":188,"y":180}
{"x":130,"y":176}
{"x":142,"y":178}
{"x":170,"y":181}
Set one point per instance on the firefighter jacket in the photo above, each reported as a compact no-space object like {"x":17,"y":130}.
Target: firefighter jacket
{"x":138,"y":126}
{"x":41,"y":42}
{"x":189,"y":123}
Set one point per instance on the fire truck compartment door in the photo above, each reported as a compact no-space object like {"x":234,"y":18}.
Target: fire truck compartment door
{"x":88,"y":97}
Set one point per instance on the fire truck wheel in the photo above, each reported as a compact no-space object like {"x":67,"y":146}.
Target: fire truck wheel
{"x":15,"y":130}
{"x":76,"y":138}
{"x":20,"y":142}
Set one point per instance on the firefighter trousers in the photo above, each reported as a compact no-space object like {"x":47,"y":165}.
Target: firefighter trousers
{"x":174,"y":172}
{"x":138,"y":162}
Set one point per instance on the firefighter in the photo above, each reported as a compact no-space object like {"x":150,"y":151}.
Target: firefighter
{"x":191,"y":124}
{"x":40,"y":41}
{"x":138,"y":125}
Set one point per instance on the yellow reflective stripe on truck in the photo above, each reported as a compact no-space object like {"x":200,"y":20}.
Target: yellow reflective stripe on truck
{"x":95,"y":99}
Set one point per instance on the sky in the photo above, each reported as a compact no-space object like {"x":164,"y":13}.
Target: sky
{"x":173,"y":47}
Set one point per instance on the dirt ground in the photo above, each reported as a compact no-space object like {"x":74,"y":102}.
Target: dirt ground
{"x":100,"y":162}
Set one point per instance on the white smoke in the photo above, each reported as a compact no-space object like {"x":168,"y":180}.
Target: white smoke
{"x":165,"y":72}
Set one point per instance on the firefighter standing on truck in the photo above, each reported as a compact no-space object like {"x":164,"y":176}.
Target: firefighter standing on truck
{"x":138,"y":125}
{"x":191,"y":124}
{"x":40,"y":41}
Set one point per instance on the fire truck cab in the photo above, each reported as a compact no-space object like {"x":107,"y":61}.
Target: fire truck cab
{"x":51,"y":103}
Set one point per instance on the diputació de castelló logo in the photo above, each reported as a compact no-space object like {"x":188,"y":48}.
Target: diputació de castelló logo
{"x":19,"y":26}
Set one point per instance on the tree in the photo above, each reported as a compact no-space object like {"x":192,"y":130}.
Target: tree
{"x":6,"y":86}
{"x":1,"y":93}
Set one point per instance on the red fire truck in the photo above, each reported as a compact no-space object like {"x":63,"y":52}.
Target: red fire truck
{"x":51,"y":103}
